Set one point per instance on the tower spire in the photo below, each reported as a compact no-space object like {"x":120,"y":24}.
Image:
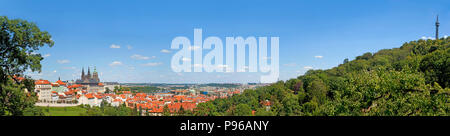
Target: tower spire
{"x":82,"y":73}
{"x":89,"y":72}
{"x":437,"y":27}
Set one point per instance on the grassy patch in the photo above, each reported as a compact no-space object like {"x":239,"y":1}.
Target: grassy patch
{"x":62,"y":111}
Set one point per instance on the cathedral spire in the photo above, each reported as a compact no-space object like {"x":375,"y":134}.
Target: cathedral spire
{"x":89,"y":72}
{"x":437,"y":27}
{"x":82,"y":73}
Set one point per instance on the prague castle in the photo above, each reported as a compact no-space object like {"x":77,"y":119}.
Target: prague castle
{"x":90,"y":81}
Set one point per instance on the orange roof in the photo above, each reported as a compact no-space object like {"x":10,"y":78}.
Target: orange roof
{"x":266,"y":103}
{"x":18,"y":78}
{"x":100,"y":84}
{"x":74,"y":86}
{"x":89,"y":96}
{"x":42,"y":82}
{"x":60,"y":82}
{"x":68,"y":92}
{"x":98,"y":96}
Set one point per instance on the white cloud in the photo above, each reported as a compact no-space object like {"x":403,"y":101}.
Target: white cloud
{"x":165,"y":51}
{"x":63,"y":61}
{"x":445,"y":36}
{"x":186,"y":59}
{"x":290,"y":64}
{"x":152,"y":64}
{"x":426,"y":38}
{"x":319,"y":57}
{"x":54,"y":71}
{"x":129,"y":47}
{"x":140,"y":57}
{"x":266,"y":58}
{"x":308,"y":67}
{"x":115,"y":63}
{"x":46,"y":55}
{"x":114,"y":46}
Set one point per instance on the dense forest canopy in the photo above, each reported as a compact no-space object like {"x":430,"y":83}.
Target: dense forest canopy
{"x":412,"y":80}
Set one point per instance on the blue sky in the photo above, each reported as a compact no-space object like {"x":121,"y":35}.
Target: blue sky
{"x":85,"y":30}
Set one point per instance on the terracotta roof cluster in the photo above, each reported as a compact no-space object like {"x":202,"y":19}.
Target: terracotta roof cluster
{"x":18,"y":78}
{"x":61,"y":83}
{"x":42,"y":82}
{"x":74,"y":86}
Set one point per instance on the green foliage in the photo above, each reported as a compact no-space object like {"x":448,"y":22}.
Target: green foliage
{"x":436,"y":67}
{"x":412,"y":80}
{"x":107,"y":110}
{"x":57,"y":111}
{"x":243,"y":110}
{"x":14,"y":100}
{"x":19,"y":40}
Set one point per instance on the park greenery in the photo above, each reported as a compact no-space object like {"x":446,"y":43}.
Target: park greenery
{"x":104,"y":109}
{"x":19,"y":41}
{"x":412,"y":80}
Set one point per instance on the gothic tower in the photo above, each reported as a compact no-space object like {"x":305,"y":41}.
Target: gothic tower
{"x":82,"y":74}
{"x":437,"y":27}
{"x":95,"y":75}
{"x":89,"y":73}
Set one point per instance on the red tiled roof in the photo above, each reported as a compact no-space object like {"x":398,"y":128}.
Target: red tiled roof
{"x":74,"y":86}
{"x":42,"y":82}
{"x":89,"y":96}
{"x":61,"y":82}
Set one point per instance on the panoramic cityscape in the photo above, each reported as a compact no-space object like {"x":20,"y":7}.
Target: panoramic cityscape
{"x":149,"y":99}
{"x":288,"y":58}
{"x":225,"y":67}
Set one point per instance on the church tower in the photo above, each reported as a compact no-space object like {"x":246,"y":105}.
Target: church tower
{"x":437,"y":27}
{"x":95,"y":75}
{"x":82,"y":74}
{"x":89,"y":73}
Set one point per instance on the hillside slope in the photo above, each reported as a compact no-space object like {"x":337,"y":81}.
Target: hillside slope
{"x":412,"y":80}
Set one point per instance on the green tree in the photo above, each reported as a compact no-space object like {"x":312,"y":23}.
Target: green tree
{"x":243,"y":110}
{"x":19,"y":41}
{"x":317,"y":89}
{"x":166,"y":110}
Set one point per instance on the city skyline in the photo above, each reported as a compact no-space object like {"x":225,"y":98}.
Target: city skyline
{"x":129,"y":42}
